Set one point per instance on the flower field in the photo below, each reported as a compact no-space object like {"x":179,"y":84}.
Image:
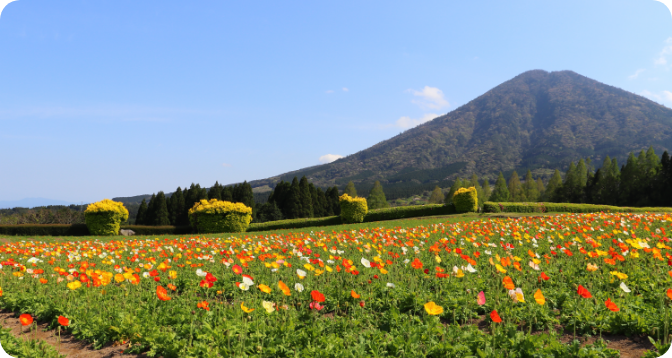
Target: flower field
{"x":477,"y":288}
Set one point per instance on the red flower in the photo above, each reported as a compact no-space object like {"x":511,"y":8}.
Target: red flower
{"x":583,"y":292}
{"x":63,"y":321}
{"x":237,"y":269}
{"x":426,"y":271}
{"x":162,"y":294}
{"x":316,"y":305}
{"x":545,"y":277}
{"x":361,"y":304}
{"x":611,"y":305}
{"x":157,"y":279}
{"x":205,"y":284}
{"x":417,"y":264}
{"x":210,"y":278}
{"x":495,"y":317}
{"x":26,"y":319}
{"x":317,"y":296}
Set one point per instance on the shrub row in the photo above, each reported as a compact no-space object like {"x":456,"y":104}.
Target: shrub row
{"x":158,"y":230}
{"x":402,"y":212}
{"x":294,"y":223}
{"x":44,"y":230}
{"x":491,"y":207}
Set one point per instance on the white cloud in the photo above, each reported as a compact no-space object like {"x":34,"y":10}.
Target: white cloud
{"x":328,"y":158}
{"x":430,"y":98}
{"x":408,"y":122}
{"x":226,"y":165}
{"x":345,"y":89}
{"x":667,"y":95}
{"x":636,"y":74}
{"x":665,"y":53}
{"x":650,"y":95}
{"x":329,"y":91}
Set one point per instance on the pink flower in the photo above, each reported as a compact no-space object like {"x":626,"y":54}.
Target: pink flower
{"x":316,"y":305}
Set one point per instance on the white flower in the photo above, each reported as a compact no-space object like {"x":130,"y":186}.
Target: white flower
{"x":366,"y":263}
{"x":391,"y":285}
{"x":201,"y":273}
{"x":268,"y":306}
{"x":248,"y":281}
{"x":145,"y":274}
{"x":625,"y":288}
{"x":455,"y":269}
{"x":406,"y":261}
{"x":243,"y":286}
{"x":298,"y":287}
{"x":300,"y":273}
{"x":470,"y":268}
{"x":488,"y":252}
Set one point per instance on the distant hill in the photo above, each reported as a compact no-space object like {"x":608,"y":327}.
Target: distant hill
{"x":538,"y":120}
{"x":31,"y":203}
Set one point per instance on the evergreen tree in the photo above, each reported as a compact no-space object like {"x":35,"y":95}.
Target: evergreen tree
{"x":376,"y":198}
{"x":332,"y":200}
{"x":227,"y":194}
{"x":553,"y":185}
{"x":611,"y":183}
{"x":150,"y":215}
{"x":479,"y":190}
{"x":515,"y":188}
{"x":176,"y":207}
{"x":216,"y":191}
{"x":487,"y":191}
{"x":457,"y":184}
{"x":325,"y":208}
{"x":350,"y":189}
{"x":629,"y":181}
{"x":161,"y":210}
{"x":142,"y":213}
{"x":540,"y":189}
{"x":665,"y":181}
{"x":317,"y":208}
{"x":293,"y":203}
{"x":269,"y":212}
{"x":279,"y":196}
{"x":582,"y":172}
{"x":530,"y":188}
{"x":437,"y":196}
{"x":306,"y":198}
{"x":570,"y":191}
{"x":501,"y":192}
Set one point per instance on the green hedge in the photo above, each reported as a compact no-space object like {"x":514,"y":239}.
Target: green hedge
{"x":158,"y":230}
{"x":44,"y":230}
{"x":491,"y":207}
{"x":294,"y":223}
{"x":402,"y":212}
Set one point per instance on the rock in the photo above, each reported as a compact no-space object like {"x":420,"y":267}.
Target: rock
{"x":126,"y":232}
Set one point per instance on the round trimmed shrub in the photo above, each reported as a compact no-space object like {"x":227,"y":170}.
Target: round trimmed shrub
{"x":466,"y":200}
{"x":353,"y":210}
{"x":104,"y":217}
{"x":220,"y":216}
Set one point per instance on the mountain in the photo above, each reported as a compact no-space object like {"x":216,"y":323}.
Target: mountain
{"x":538,"y":120}
{"x":31,"y":203}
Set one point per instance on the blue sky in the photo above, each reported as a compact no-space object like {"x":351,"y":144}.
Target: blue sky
{"x":100,"y":99}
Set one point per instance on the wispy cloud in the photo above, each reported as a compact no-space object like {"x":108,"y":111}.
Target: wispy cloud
{"x":667,"y":95}
{"x":650,"y":95}
{"x":328,"y":158}
{"x":429,"y":98}
{"x":408,"y":122}
{"x":665,"y":53}
{"x":329,"y":91}
{"x":226,"y":165}
{"x":636,"y":74}
{"x":345,"y":89}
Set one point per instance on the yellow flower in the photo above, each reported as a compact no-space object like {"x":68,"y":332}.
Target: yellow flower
{"x":172,"y":274}
{"x":268,"y":306}
{"x":539,"y":297}
{"x":74,"y":285}
{"x":459,"y":273}
{"x":433,"y":309}
{"x":308,"y":267}
{"x":500,"y":268}
{"x":620,"y":275}
{"x":245,"y":309}
{"x":119,"y":278}
{"x":264,"y":288}
{"x":437,"y":259}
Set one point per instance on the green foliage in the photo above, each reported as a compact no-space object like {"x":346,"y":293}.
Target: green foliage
{"x":530,"y":187}
{"x":294,"y":223}
{"x":516,"y":189}
{"x":26,"y":348}
{"x":177,"y":207}
{"x":466,"y":200}
{"x":508,"y":207}
{"x":217,"y":216}
{"x":353,"y":210}
{"x":142,"y":213}
{"x":216,"y":191}
{"x":457,"y":184}
{"x":376,"y":198}
{"x":293,"y":209}
{"x":105,"y":217}
{"x":551,"y":188}
{"x":437,"y":196}
{"x":401,"y":212}
{"x":159,"y":230}
{"x":501,"y":191}
{"x":306,"y":199}
{"x":350,"y":189}
{"x":160,"y":211}
{"x":45,"y":230}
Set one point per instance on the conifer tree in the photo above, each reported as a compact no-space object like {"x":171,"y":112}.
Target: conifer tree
{"x":553,"y":185}
{"x":317,"y":208}
{"x":150,"y":216}
{"x":161,"y":210}
{"x":501,"y":192}
{"x":215,"y":192}
{"x":325,"y":208}
{"x":176,"y":207}
{"x":306,"y":198}
{"x":540,"y":189}
{"x":142,"y":213}
{"x":487,"y":191}
{"x":294,"y":208}
{"x":582,"y":171}
{"x":665,"y":175}
{"x":437,"y":196}
{"x":227,"y":194}
{"x":350,"y":189}
{"x":332,"y":200}
{"x":569,"y":190}
{"x":457,"y":184}
{"x":376,"y":198}
{"x":515,"y":188}
{"x":279,"y":196}
{"x":479,"y":189}
{"x":530,"y":188}
{"x":628,"y":183}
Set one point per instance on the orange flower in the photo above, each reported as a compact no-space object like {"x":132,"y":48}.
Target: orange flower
{"x":669,"y":293}
{"x":610,"y":261}
{"x":283,"y":287}
{"x":43,"y":281}
{"x":63,"y":321}
{"x":264,"y":288}
{"x":317,"y":296}
{"x":26,"y":319}
{"x":237,"y":269}
{"x":203,"y":305}
{"x":417,"y":264}
{"x":495,"y":317}
{"x":583,"y":292}
{"x":508,"y":283}
{"x":172,"y":287}
{"x":354,"y":294}
{"x":611,"y":305}
{"x":245,"y":309}
{"x":162,"y":294}
{"x":592,"y":267}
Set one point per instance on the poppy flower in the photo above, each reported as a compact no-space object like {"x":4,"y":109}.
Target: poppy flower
{"x":237,"y":269}
{"x":63,"y":321}
{"x":264,"y":288}
{"x":481,"y":298}
{"x":283,"y":287}
{"x":354,"y":294}
{"x":316,"y":306}
{"x":592,"y":267}
{"x":583,"y":292}
{"x":361,"y":304}
{"x":268,"y":306}
{"x":162,"y":294}
{"x":203,"y":305}
{"x":495,"y":317}
{"x":544,"y":276}
{"x":539,"y":297}
{"x":172,"y":287}
{"x":433,"y":309}
{"x":205,"y":284}
{"x":669,"y":293}
{"x":416,"y":264}
{"x":210,"y":278}
{"x":26,"y":319}
{"x":508,"y":283}
{"x":317,"y":296}
{"x":611,"y":305}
